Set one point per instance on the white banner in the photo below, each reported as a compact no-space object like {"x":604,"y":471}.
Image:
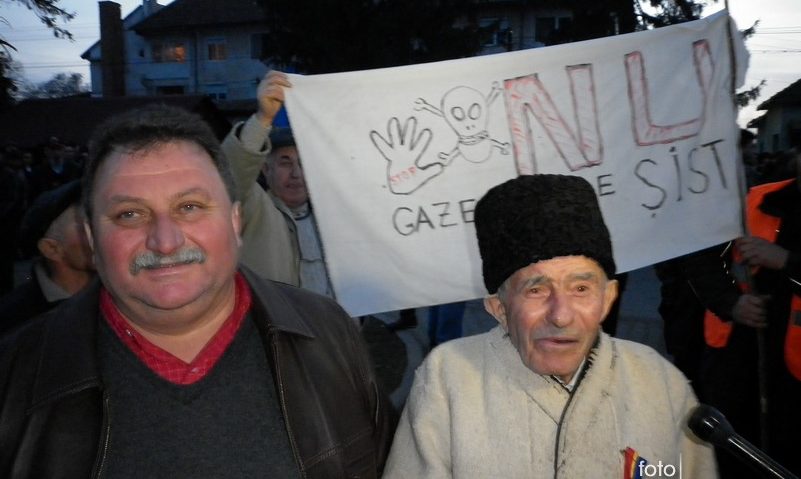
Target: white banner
{"x":396,"y":158}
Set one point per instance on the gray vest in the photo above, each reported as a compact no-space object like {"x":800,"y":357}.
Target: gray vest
{"x":228,"y":424}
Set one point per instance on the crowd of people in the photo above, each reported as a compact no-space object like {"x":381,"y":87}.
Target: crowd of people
{"x":26,"y":173}
{"x":179,"y":321}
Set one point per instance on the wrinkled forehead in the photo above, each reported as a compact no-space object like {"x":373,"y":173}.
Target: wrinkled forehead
{"x":560,"y":268}
{"x":156,"y":155}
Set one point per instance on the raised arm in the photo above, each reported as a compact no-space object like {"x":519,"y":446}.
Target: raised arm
{"x":247,"y":144}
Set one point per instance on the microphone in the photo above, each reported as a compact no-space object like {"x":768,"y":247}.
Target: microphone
{"x":711,"y":425}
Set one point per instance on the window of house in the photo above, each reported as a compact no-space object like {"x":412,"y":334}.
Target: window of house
{"x":258,"y":46}
{"x":169,"y":52}
{"x":216,"y":91}
{"x":498,"y":36}
{"x":216,"y":49}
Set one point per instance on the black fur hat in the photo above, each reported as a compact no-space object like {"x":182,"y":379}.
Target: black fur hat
{"x":537,"y":217}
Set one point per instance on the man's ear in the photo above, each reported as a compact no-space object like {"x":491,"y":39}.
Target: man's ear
{"x":610,"y":295}
{"x":89,"y":238}
{"x":49,"y":248}
{"x":236,"y":221}
{"x":495,"y":307}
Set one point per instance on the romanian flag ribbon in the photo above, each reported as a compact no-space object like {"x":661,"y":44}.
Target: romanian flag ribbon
{"x":631,"y":464}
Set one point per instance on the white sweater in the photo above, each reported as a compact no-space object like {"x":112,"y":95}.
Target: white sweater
{"x":476,"y":411}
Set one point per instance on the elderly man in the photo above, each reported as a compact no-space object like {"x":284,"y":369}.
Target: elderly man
{"x":546,"y":393}
{"x":280,"y":238}
{"x":52,"y":232}
{"x":178,"y":363}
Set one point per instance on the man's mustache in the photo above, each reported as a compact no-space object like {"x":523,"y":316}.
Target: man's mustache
{"x":150,"y":260}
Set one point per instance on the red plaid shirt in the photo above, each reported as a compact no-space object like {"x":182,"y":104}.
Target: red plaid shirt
{"x":165,"y":364}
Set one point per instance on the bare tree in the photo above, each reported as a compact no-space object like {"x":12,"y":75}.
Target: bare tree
{"x":59,"y":86}
{"x":50,"y":14}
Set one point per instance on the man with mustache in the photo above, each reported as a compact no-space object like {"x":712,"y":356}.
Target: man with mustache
{"x":546,"y":393}
{"x":179,"y":362}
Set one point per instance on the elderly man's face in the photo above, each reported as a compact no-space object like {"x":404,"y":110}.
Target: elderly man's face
{"x":553,"y":310}
{"x":165,"y":232}
{"x":284,"y":176}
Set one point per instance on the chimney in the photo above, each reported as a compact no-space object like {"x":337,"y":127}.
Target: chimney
{"x":112,"y":49}
{"x":150,"y":7}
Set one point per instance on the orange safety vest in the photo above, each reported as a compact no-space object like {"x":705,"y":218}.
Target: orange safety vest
{"x":717,"y":331}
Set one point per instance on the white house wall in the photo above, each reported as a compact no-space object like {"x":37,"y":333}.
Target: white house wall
{"x":238,"y":74}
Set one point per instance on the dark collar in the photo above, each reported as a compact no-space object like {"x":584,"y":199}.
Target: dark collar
{"x":272,"y":307}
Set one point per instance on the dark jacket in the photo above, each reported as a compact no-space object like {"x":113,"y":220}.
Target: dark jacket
{"x":23,"y":303}
{"x":731,"y":375}
{"x":53,"y":409}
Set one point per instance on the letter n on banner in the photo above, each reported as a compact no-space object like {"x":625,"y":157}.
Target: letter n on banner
{"x":526,"y":97}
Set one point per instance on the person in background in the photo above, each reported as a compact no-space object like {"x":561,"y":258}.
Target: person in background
{"x":682,"y":315}
{"x":748,"y":152}
{"x":55,"y":168}
{"x":754,"y":288}
{"x":12,"y":207}
{"x":279,"y":230}
{"x":52,"y":234}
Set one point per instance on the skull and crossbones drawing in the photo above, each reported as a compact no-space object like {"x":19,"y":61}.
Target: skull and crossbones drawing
{"x":466,"y":111}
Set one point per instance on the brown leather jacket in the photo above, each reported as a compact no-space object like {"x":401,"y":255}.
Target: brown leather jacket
{"x":53,"y":410}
